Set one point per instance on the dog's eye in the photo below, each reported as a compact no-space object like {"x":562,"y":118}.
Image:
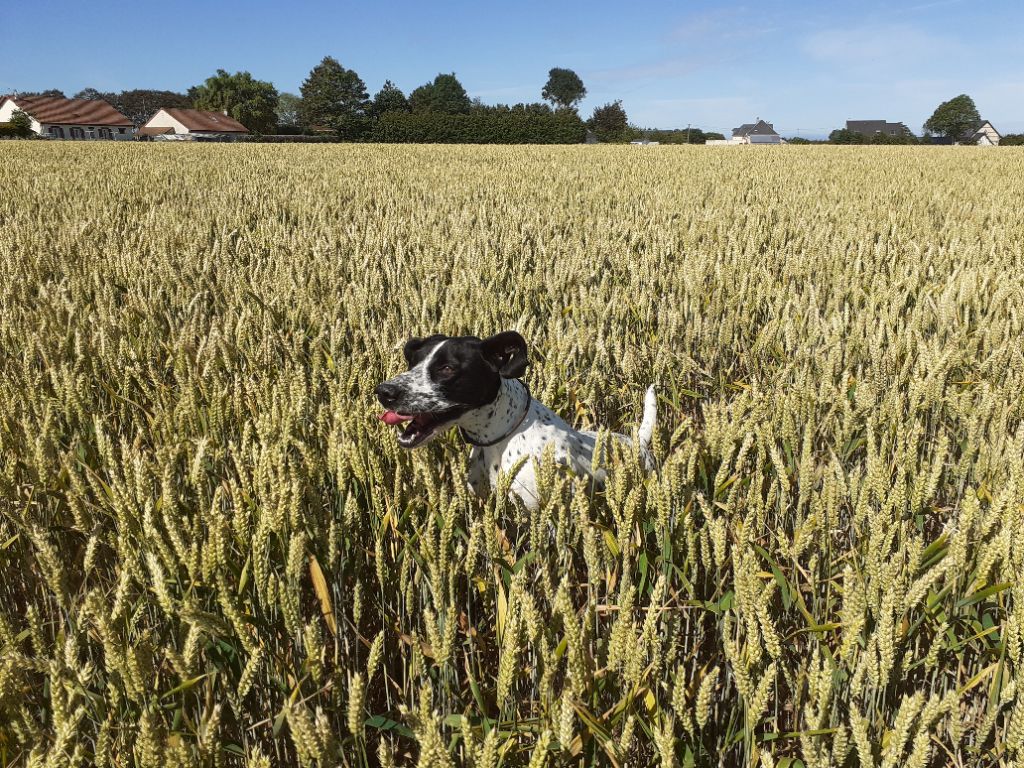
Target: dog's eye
{"x":446,"y":370}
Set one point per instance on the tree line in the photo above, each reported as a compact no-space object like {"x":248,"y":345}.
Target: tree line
{"x":334,"y":101}
{"x":953,"y":120}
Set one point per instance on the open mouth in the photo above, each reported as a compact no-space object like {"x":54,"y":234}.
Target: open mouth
{"x":421,"y":426}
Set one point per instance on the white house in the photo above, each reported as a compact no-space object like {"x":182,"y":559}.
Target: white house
{"x":985,"y":135}
{"x":62,"y":118}
{"x":192,"y":123}
{"x":756,"y":133}
{"x":750,"y":133}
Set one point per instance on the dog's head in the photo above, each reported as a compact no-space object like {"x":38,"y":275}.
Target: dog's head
{"x":448,"y":376}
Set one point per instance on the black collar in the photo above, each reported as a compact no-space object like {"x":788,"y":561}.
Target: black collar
{"x":526,"y":410}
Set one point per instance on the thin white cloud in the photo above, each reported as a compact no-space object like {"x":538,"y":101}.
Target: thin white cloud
{"x":927,"y":6}
{"x":722,"y":25}
{"x":881,"y":47}
{"x":698,"y":43}
{"x":676,"y":66}
{"x":721,"y":103}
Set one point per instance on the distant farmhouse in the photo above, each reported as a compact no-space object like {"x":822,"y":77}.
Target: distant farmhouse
{"x":984,"y":135}
{"x":871,"y":127}
{"x":751,"y":133}
{"x":185,"y":124}
{"x":59,"y":118}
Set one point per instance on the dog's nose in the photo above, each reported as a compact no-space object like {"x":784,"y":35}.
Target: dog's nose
{"x":386,"y":393}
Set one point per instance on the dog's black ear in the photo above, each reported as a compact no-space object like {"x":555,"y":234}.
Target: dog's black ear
{"x":416,"y":347}
{"x":505,"y":353}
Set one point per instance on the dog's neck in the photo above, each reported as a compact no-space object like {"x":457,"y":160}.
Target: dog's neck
{"x":499,"y":418}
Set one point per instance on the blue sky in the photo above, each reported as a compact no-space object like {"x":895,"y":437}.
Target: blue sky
{"x":806,"y":67}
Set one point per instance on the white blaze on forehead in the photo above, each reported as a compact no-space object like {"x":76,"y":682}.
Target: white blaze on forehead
{"x":424,"y":364}
{"x":417,"y":382}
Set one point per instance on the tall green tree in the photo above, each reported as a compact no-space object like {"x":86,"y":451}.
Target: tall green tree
{"x":288,"y":107}
{"x":609,"y":122}
{"x":333,"y":98}
{"x":954,"y":118}
{"x":444,"y":94}
{"x":21,"y":123}
{"x":52,"y":92}
{"x":92,"y":94}
{"x":564,"y":88}
{"x":251,"y":102}
{"x":140,"y":104}
{"x":389,"y":99}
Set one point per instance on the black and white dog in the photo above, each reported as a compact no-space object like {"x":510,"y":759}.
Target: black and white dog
{"x":474,"y":384}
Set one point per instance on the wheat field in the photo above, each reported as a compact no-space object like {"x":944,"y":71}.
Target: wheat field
{"x":212,"y":553}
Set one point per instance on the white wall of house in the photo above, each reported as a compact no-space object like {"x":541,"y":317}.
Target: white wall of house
{"x":89,"y":132}
{"x":8,"y":109}
{"x":92,"y":132}
{"x":163,"y":120}
{"x":989,"y":135}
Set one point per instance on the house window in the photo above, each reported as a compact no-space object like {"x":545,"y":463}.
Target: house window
{"x":120,"y":130}
{"x":105,"y":133}
{"x":77,"y":133}
{"x":57,"y":132}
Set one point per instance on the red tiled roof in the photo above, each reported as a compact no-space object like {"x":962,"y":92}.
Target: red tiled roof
{"x":155,"y":131}
{"x":200,"y":120}
{"x":52,"y":110}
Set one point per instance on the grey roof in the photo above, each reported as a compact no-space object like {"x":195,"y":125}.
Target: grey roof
{"x":760,"y":128}
{"x":865,"y":126}
{"x":869,"y":127}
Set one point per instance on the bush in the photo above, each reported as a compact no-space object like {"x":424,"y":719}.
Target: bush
{"x":523,"y":124}
{"x":283,"y":138}
{"x":22,"y":124}
{"x":846,"y":136}
{"x":1012,"y":140}
{"x":611,"y":125}
{"x":8,"y":131}
{"x":678,"y":135}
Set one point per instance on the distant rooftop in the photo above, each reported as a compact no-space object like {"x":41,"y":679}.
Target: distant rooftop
{"x":53,"y":110}
{"x":204,"y":121}
{"x":760,"y":128}
{"x":871,"y":127}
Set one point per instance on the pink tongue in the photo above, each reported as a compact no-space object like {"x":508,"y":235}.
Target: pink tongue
{"x":391,"y":417}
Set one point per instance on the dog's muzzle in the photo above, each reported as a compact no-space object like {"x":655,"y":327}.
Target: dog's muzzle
{"x":420,"y":426}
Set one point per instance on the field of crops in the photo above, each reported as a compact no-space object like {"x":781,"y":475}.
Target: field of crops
{"x":212,"y":553}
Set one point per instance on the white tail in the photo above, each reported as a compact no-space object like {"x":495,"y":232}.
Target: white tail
{"x":650,"y":418}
